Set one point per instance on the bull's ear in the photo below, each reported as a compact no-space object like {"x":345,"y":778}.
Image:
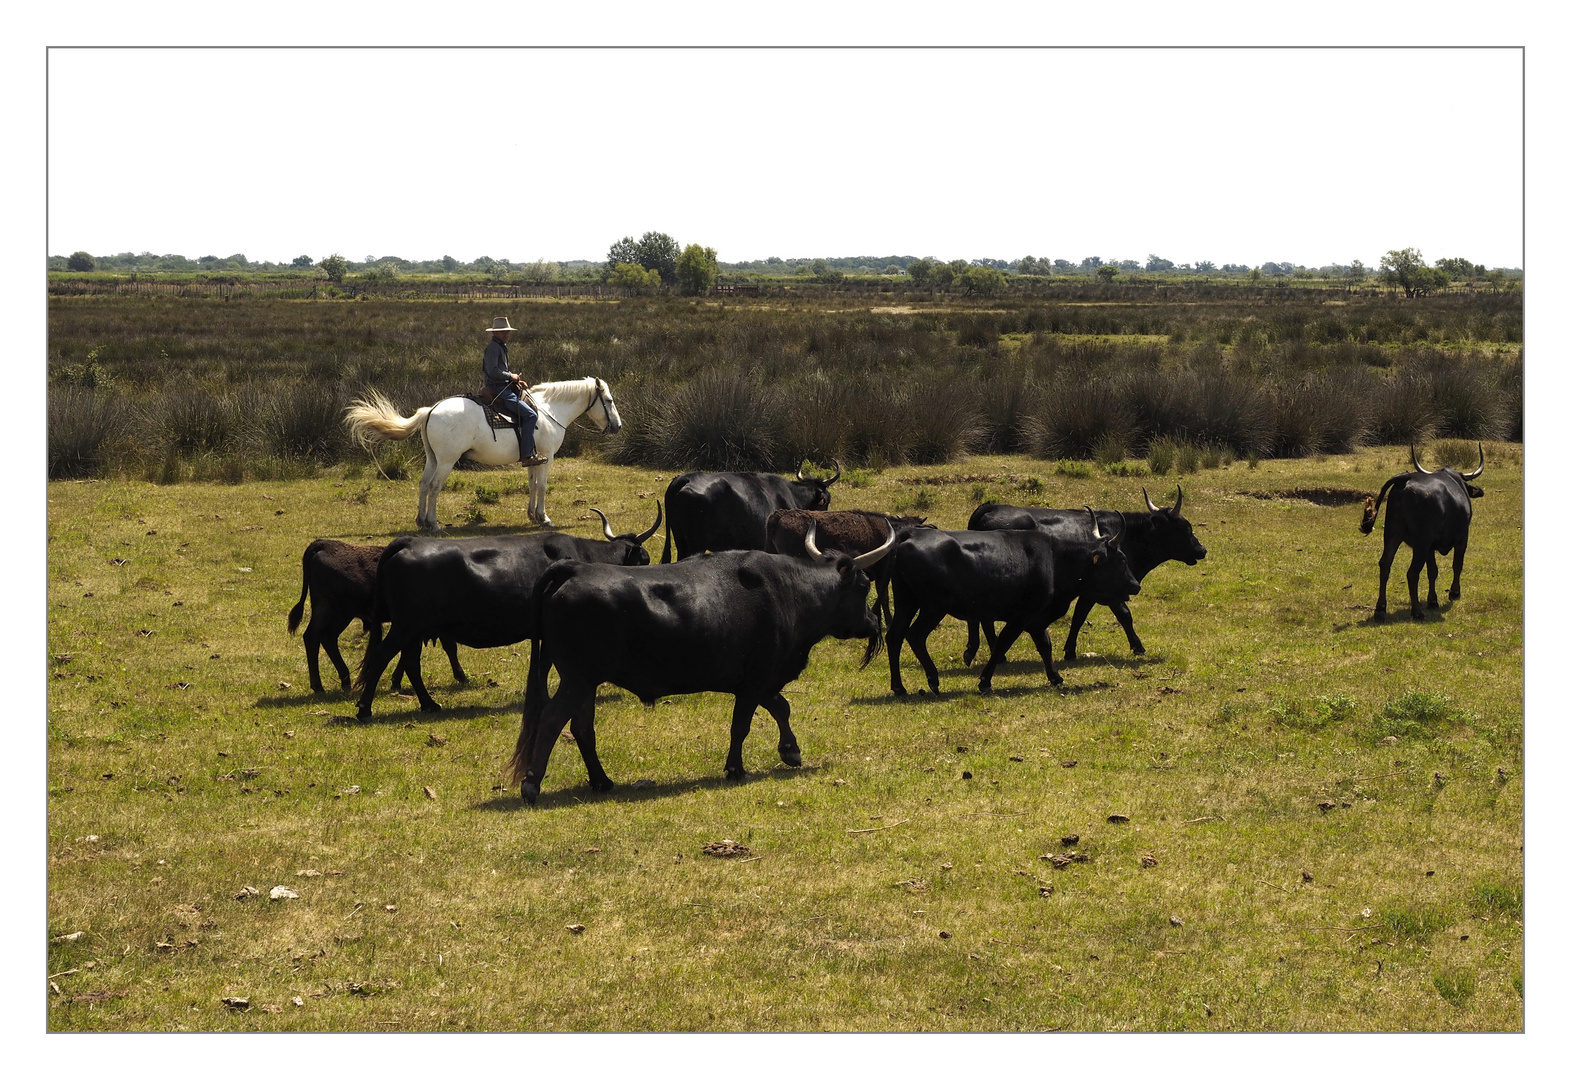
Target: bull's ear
{"x":1475,"y":491}
{"x":1096,"y":558}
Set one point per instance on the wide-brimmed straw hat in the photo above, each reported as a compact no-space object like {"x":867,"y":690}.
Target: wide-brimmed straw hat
{"x":500,"y":323}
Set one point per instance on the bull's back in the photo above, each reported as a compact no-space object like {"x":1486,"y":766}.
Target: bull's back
{"x":1429,"y":512}
{"x":974,"y":574}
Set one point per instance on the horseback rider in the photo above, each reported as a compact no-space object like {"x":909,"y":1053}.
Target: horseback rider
{"x":508,"y":390}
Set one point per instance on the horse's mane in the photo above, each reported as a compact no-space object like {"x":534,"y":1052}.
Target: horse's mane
{"x":550,"y":391}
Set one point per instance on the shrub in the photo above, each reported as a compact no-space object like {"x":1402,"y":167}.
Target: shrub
{"x":1108,"y":450}
{"x":188,"y":422}
{"x":1079,"y":470}
{"x":83,"y":429}
{"x":1465,"y":396}
{"x":1186,"y":459}
{"x":301,"y":421}
{"x":1459,"y":454}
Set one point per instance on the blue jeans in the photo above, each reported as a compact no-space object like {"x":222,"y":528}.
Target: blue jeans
{"x":510,"y":404}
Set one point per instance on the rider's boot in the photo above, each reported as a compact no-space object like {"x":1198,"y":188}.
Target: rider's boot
{"x":526,"y":454}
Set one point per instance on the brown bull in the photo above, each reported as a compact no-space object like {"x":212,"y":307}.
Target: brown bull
{"x":851,"y":532}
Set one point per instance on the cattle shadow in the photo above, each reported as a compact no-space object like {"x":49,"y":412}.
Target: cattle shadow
{"x":924,"y":695}
{"x":1436,"y":616}
{"x":513,"y":710}
{"x":629,"y":793}
{"x":452,"y":531}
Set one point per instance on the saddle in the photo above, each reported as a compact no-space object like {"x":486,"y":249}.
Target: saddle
{"x":483,"y":398}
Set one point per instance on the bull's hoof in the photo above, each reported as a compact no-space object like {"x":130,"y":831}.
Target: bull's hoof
{"x":605,"y":783}
{"x":1433,"y":605}
{"x":431,"y":707}
{"x":1418,"y":614}
{"x":363,"y":714}
{"x":529,"y":792}
{"x":1379,"y":615}
{"x":735,"y":772}
{"x":985,"y":686}
{"x":791,"y":755}
{"x":898,"y":691}
{"x":1138,"y":650}
{"x":968,"y":656}
{"x":1455,"y":594}
{"x":1056,"y":679}
{"x":461,"y":679}
{"x":1069,"y":652}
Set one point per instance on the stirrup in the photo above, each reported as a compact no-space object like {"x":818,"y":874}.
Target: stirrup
{"x":536,"y":460}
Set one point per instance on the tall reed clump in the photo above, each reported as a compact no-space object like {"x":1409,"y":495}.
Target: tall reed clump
{"x":85,"y":428}
{"x":719,"y":420}
{"x":1074,"y":416}
{"x":300,"y":422}
{"x":1401,"y":410}
{"x":1465,"y":394}
{"x":1324,"y":412}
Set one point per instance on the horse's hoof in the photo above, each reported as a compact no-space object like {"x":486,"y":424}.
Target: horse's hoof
{"x":791,"y":755}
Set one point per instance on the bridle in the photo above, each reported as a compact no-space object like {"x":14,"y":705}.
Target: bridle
{"x":601,"y":391}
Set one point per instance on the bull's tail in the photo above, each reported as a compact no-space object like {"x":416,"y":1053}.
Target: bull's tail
{"x":374,"y":419}
{"x":298,"y":611}
{"x":1372,"y":506}
{"x":535,"y":688}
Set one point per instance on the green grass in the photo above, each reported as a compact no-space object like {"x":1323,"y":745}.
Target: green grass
{"x":1270,"y":732}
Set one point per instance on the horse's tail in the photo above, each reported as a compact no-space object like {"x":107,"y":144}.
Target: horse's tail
{"x":374,"y":419}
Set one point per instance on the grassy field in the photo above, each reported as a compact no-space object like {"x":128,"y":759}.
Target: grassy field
{"x":1324,"y":816}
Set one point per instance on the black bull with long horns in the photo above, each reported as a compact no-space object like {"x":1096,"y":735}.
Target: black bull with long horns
{"x":474,"y":590}
{"x":734,"y":622}
{"x":1430,"y":512}
{"x":726,"y":511}
{"x":1149,"y":539}
{"x":1024,"y":578}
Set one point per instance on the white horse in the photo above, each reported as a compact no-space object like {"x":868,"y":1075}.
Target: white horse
{"x":456,"y":427}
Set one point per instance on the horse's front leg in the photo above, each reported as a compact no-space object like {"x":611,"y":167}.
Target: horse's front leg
{"x":537,"y":481}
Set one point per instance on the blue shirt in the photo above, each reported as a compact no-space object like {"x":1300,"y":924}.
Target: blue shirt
{"x":497,"y":375}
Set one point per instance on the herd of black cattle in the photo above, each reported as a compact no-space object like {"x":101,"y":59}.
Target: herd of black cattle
{"x":764,"y":572}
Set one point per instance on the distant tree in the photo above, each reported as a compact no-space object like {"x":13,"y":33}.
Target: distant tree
{"x":1033,"y":266}
{"x":1107,"y":273}
{"x":920,"y":271}
{"x":942,"y":274}
{"x":1205,"y":266}
{"x":982,"y":280}
{"x":1234,"y":268}
{"x":697,"y":268}
{"x":1407,"y":270}
{"x":302,"y":262}
{"x":1254,"y":275}
{"x":1090,"y":263}
{"x":1128,"y":266}
{"x":539,"y":271}
{"x":629,"y":275}
{"x":1272,"y":269}
{"x":1458,"y":268}
{"x":1156,"y":262}
{"x":1355,"y":271}
{"x":1063,"y":266}
{"x":658,"y":252}
{"x":80,"y":260}
{"x":335,"y":266}
{"x":449,"y":263}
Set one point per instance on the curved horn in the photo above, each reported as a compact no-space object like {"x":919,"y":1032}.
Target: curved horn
{"x":812,"y":548}
{"x":1474,"y":474}
{"x":869,"y":558}
{"x":1179,"y":504}
{"x":799,"y":475}
{"x":651,"y":530}
{"x":836,"y":476}
{"x":1095,"y":532}
{"x":1151,"y":506}
{"x":606,"y":525}
{"x":1416,"y":465}
{"x":1123,"y":523}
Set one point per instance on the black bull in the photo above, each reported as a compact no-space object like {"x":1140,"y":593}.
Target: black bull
{"x":474,"y":590}
{"x":1430,"y":512}
{"x":1024,"y":578}
{"x":1149,"y":539}
{"x":735,"y":622}
{"x":726,"y":511}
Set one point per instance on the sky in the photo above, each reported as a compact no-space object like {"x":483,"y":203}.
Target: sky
{"x":1235,"y":155}
{"x":937,"y":146}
